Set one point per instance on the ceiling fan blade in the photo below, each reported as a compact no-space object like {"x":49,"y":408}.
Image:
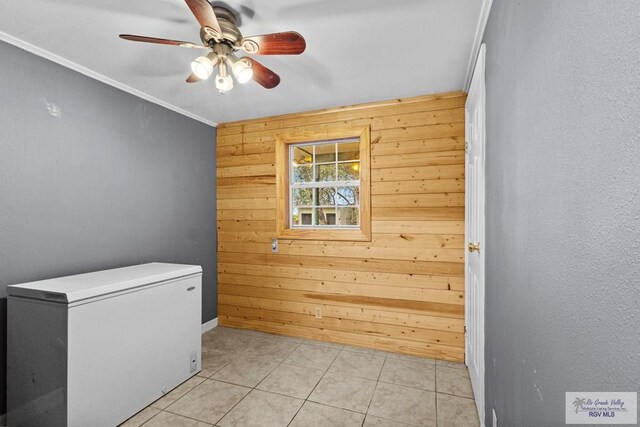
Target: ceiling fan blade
{"x":156,"y":40}
{"x":205,"y":15}
{"x":287,"y":43}
{"x":193,"y":78}
{"x":262,"y":75}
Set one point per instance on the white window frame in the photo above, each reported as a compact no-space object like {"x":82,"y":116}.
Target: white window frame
{"x":322,"y":184}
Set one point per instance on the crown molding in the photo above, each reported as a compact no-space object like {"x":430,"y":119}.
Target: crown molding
{"x":43,"y":53}
{"x":485,"y":10}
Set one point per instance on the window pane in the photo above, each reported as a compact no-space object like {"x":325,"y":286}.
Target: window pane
{"x":302,"y":197}
{"x":348,"y":196}
{"x":305,"y":218}
{"x":326,"y":196}
{"x":325,"y":153}
{"x":349,"y":151}
{"x":302,"y":173}
{"x":302,"y":155}
{"x":349,"y":171}
{"x":323,"y":215}
{"x":325,"y":164}
{"x":326,"y":172}
{"x":301,"y":215}
{"x":347,"y":216}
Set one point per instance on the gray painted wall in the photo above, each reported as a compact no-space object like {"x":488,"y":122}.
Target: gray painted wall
{"x":94,"y":178}
{"x":563,"y":204}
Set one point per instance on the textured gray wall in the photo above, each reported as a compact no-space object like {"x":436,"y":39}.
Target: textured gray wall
{"x":94,"y":178}
{"x":563,"y":204}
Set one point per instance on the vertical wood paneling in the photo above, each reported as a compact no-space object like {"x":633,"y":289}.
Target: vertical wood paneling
{"x":402,"y":291}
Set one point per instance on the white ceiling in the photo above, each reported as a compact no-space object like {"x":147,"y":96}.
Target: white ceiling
{"x":357,"y":50}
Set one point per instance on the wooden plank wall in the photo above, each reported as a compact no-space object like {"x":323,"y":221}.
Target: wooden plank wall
{"x":404,"y":290}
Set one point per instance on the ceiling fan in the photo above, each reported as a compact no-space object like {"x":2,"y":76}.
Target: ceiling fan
{"x":220,"y":35}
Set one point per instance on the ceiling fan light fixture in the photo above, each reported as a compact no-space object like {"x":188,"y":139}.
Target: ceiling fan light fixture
{"x":243,"y":71}
{"x":202,"y":67}
{"x":224,"y":82}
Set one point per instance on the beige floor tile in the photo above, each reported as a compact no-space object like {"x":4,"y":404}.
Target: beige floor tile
{"x":411,"y":358}
{"x":249,"y":333}
{"x":316,"y":415}
{"x":344,"y":392}
{"x":246,"y":371}
{"x":409,"y":373}
{"x":230,"y":345}
{"x":228,"y":341}
{"x":456,"y":411}
{"x":297,"y":340}
{"x":212,"y":364}
{"x":275,"y":350}
{"x":329,"y":344}
{"x":218,"y":332}
{"x":177,"y":392}
{"x":312,"y":356}
{"x":244,"y":358}
{"x":449,"y":364}
{"x":243,"y":350}
{"x":364,"y":350}
{"x":453,"y":381}
{"x":209,"y":401}
{"x":404,"y":404}
{"x":141,"y":417}
{"x":233,"y":345}
{"x":260,"y":408}
{"x":357,"y":365}
{"x":276,"y":337}
{"x":165,"y":419}
{"x":208,"y":342}
{"x":372,"y":421}
{"x":354,"y":349}
{"x":292,"y":381}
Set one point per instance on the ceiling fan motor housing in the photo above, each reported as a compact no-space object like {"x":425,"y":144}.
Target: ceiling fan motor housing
{"x":228,"y":25}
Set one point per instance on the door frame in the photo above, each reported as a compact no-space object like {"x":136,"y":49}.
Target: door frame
{"x":477,"y":88}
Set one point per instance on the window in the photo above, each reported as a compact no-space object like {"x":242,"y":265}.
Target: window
{"x":323,"y":185}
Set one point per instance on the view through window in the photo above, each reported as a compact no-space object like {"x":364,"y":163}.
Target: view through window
{"x":324,"y":184}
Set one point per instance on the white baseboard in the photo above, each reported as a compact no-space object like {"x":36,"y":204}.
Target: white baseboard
{"x":206,"y":327}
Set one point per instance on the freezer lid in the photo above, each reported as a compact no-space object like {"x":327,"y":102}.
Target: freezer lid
{"x":79,"y":287}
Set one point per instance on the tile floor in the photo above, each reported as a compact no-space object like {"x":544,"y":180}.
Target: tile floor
{"x":256,"y":379}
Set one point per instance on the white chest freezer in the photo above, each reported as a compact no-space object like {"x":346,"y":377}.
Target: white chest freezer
{"x":94,"y":349}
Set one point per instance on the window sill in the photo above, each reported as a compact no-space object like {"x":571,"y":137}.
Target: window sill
{"x":316,"y":234}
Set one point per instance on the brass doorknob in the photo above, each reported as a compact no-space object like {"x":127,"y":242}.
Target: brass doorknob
{"x":474,"y":247}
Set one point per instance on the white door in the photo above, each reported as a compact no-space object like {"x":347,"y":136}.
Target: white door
{"x":474,"y":230}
